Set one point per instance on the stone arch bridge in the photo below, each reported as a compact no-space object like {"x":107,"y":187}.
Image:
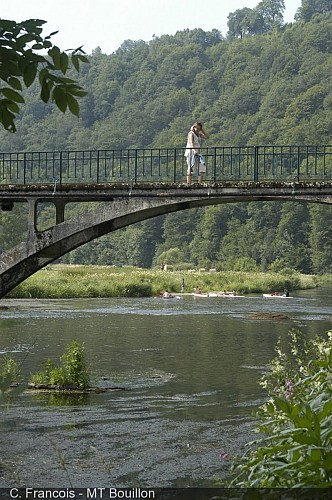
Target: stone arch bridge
{"x":134,"y":185}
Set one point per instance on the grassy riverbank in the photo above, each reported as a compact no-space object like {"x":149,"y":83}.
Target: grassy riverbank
{"x":66,"y":281}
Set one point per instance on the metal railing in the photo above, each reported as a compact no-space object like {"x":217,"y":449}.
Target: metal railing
{"x":245,"y":163}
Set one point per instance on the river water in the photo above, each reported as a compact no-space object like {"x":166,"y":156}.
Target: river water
{"x":188,"y":368}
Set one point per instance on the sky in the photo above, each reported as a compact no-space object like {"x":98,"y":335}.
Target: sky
{"x":108,"y":23}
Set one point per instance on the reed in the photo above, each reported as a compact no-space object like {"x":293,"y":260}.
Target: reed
{"x":66,"y":281}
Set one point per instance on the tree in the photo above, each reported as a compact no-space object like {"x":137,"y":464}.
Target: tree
{"x":272,"y":12}
{"x":311,"y":7}
{"x":292,"y":238}
{"x":239,"y":22}
{"x":321,"y":239}
{"x":21,"y":62}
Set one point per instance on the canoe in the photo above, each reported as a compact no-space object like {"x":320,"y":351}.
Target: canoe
{"x":216,"y":294}
{"x":271,"y":296}
{"x":222,"y":294}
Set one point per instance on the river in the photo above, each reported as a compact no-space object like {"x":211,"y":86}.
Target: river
{"x":189,"y":368}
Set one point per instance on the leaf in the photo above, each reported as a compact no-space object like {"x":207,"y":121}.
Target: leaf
{"x":304,"y":438}
{"x":327,"y":463}
{"x":327,"y":410}
{"x":77,"y":91}
{"x":7,"y":118}
{"x":14,"y":83}
{"x":47,"y":44}
{"x":29,"y":74}
{"x":64,"y":61}
{"x":7,"y":55}
{"x":33,"y":25}
{"x":282,"y":405}
{"x":26,"y":38}
{"x":45,"y":91}
{"x":73,"y":105}
{"x":83,"y":58}
{"x":7,"y":25}
{"x":12,"y":106}
{"x":37,"y":46}
{"x":60,"y":98}
{"x":315,"y":454}
{"x":75,"y":62}
{"x":43,"y":74}
{"x":51,"y":34}
{"x":11,"y":67}
{"x":12,"y":95}
{"x":54,"y":53}
{"x":301,"y":421}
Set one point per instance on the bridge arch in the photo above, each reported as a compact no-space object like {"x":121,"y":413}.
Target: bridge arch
{"x":43,"y":247}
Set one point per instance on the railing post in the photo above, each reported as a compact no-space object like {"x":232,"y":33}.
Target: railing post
{"x":298,"y":163}
{"x":256,"y":163}
{"x":60,"y":167}
{"x":174,"y":167}
{"x":24,"y":167}
{"x":135,"y":167}
{"x":215,"y":165}
{"x":98,"y":166}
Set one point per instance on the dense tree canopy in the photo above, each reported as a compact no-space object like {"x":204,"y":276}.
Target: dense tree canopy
{"x":272,"y":87}
{"x":311,"y":7}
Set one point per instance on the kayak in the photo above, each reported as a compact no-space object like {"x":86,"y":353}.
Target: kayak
{"x":171,"y":296}
{"x":216,"y":294}
{"x":271,"y":296}
{"x":232,"y":295}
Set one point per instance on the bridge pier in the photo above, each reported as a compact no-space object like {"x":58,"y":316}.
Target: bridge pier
{"x":32,"y":221}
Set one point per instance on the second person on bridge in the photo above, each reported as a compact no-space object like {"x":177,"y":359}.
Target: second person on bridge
{"x":195,"y":161}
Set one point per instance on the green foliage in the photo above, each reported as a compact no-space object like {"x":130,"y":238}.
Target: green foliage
{"x":9,"y":378}
{"x":72,"y":372}
{"x":311,"y":7}
{"x":320,"y":239}
{"x":63,"y":281}
{"x":296,"y":423}
{"x":269,"y":88}
{"x":171,"y":256}
{"x":9,"y":368}
{"x":240,"y":264}
{"x":20,"y":60}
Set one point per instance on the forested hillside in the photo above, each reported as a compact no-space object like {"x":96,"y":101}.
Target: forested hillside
{"x":264,"y":83}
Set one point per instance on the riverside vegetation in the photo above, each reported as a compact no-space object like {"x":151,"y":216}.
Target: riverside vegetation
{"x":67,"y":281}
{"x":295,"y":425}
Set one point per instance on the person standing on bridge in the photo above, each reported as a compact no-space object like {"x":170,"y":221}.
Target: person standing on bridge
{"x":194,"y":161}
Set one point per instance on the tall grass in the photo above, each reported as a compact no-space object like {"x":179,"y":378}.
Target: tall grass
{"x":65,"y":281}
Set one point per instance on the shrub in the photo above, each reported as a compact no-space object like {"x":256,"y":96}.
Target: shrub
{"x":9,"y":378}
{"x":296,"y":423}
{"x":72,"y":372}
